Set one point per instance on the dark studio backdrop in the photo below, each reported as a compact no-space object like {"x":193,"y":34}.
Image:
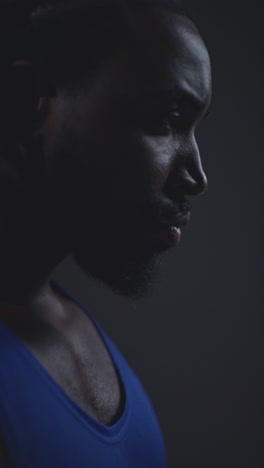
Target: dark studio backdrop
{"x":197,"y":340}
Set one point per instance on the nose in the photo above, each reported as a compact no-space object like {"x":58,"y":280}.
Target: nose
{"x":187,"y":176}
{"x":191,"y":183}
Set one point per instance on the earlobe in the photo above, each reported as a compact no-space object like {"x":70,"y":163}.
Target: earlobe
{"x":25,"y":101}
{"x":42,"y":108}
{"x":40,"y":79}
{"x":21,"y":63}
{"x":22,"y":99}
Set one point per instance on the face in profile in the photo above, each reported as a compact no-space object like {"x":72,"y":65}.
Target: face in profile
{"x":122,"y":153}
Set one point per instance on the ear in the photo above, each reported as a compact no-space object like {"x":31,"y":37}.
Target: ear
{"x":24,"y":102}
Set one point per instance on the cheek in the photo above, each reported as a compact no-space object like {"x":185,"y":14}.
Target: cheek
{"x":125,"y":167}
{"x":140,"y":164}
{"x":105,"y":169}
{"x":158,"y":158}
{"x":117,"y":163}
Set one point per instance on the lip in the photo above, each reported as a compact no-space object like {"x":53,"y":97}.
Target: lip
{"x":167,"y":234}
{"x":180,"y":220}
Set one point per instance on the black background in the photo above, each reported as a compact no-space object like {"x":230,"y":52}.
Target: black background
{"x":196,"y":340}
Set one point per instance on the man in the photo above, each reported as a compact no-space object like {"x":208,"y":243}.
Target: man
{"x":100,"y":106}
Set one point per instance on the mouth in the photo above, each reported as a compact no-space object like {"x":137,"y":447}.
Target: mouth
{"x":180,"y":220}
{"x":167,"y":233}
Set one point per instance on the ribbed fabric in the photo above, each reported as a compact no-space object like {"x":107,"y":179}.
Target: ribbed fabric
{"x":42,"y":427}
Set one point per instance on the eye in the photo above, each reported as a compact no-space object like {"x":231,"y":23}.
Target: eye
{"x":163,"y":123}
{"x":175,"y":119}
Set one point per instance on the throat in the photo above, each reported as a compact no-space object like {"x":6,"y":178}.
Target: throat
{"x":68,"y":346}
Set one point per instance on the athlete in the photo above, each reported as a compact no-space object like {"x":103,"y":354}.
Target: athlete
{"x":99,"y":106}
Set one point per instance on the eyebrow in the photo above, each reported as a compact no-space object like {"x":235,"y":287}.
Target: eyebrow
{"x":178,"y":94}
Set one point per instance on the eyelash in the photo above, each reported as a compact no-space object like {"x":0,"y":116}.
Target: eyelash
{"x":174,"y":117}
{"x":170,"y":122}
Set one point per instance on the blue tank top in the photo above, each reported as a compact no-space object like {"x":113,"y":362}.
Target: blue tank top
{"x":42,"y":427}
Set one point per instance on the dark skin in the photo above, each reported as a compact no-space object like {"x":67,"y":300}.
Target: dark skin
{"x":116,"y":154}
{"x":135,"y":156}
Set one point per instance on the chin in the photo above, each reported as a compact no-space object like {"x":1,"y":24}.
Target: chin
{"x":128,"y":272}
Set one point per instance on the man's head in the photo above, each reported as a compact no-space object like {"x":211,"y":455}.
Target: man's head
{"x":110,"y":133}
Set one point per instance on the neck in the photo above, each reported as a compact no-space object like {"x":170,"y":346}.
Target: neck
{"x":25,"y":273}
{"x":33,"y":231}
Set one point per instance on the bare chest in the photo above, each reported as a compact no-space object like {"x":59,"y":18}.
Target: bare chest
{"x":80,"y":364}
{"x":91,"y":381}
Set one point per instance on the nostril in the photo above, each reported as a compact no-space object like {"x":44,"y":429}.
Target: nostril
{"x":196,"y":182}
{"x":198,"y":187}
{"x":186,"y":182}
{"x":203,"y":184}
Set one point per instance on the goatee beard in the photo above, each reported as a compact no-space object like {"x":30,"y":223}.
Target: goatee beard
{"x":126,"y":277}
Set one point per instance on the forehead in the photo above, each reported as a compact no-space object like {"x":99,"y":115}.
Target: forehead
{"x":165,"y":51}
